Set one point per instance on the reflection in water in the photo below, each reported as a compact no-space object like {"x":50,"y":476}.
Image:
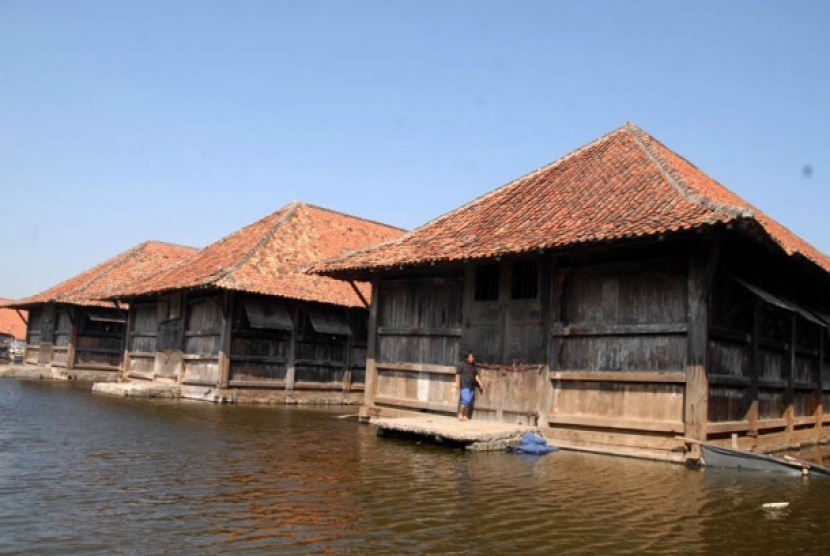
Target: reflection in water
{"x":81,"y":474}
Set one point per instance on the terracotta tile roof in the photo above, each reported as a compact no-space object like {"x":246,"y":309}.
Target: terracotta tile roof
{"x":94,"y":285}
{"x":11,"y":323}
{"x":625,"y":184}
{"x":269,"y":256}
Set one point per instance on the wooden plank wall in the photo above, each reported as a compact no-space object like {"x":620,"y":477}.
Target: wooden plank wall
{"x":171,"y":316}
{"x":321,"y":359}
{"x":142,"y":337}
{"x":766,"y":377}
{"x":418,"y":336}
{"x":34,"y":336}
{"x":259,"y":357}
{"x":204,"y":322}
{"x":62,"y":336}
{"x":619,"y":347}
{"x":98,"y":345}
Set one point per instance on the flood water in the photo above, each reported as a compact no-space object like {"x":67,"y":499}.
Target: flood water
{"x":84,"y":474}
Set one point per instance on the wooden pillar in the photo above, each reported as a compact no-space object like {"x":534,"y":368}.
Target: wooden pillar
{"x":696,"y":404}
{"x":128,"y":341}
{"x":370,"y":386}
{"x":225,"y":338}
{"x":467,"y":302}
{"x":755,"y":369}
{"x":47,"y":335}
{"x":75,"y":320}
{"x":819,"y":412}
{"x":291,"y":356}
{"x":789,"y":394}
{"x":347,"y":373}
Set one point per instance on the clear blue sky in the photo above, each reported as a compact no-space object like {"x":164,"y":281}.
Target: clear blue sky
{"x":182,"y":120}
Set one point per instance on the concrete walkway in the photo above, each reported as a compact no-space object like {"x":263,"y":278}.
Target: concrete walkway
{"x":473,"y":435}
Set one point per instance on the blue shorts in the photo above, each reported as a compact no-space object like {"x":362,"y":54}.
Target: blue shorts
{"x":467,"y":395}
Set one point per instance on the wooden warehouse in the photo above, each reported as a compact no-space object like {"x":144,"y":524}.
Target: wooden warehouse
{"x":241,"y":321}
{"x":619,"y":298}
{"x":73,"y":331}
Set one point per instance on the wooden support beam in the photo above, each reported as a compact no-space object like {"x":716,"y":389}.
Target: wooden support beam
{"x":359,"y":293}
{"x":619,"y":330}
{"x":73,"y":338}
{"x":370,"y":385}
{"x":672,"y":427}
{"x":128,"y":340}
{"x":754,"y":369}
{"x":696,"y":403}
{"x":24,"y":319}
{"x":225,"y":341}
{"x":416,"y":368}
{"x":647,"y":377}
{"x":819,"y":399}
{"x":789,"y":393}
{"x":291,"y":353}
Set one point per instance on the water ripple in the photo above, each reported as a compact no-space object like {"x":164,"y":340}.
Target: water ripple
{"x":80,"y":474}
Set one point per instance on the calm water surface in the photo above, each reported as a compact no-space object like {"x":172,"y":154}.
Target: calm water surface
{"x":84,"y":474}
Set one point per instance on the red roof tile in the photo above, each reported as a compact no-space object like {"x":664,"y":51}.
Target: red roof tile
{"x":269,"y":256}
{"x":11,"y":322}
{"x":624,"y":185}
{"x":92,"y":286}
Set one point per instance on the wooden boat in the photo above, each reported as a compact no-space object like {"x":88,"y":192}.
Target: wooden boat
{"x":719,"y":456}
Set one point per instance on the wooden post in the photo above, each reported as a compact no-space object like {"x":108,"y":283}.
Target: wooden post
{"x":225,"y":338}
{"x":819,"y":412}
{"x":697,"y":382}
{"x":789,"y":395}
{"x":347,"y":373}
{"x":128,"y":342}
{"x":291,"y":356}
{"x":74,"y":318}
{"x":370,"y":385}
{"x":47,"y":335}
{"x":545,"y":300}
{"x":755,"y":369}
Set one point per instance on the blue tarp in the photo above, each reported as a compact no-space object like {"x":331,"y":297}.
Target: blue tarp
{"x":532,"y":444}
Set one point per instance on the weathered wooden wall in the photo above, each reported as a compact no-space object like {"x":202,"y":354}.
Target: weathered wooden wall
{"x":74,"y":337}
{"x":260,"y":351}
{"x":418,"y":337}
{"x":616,"y":349}
{"x":35,"y":332}
{"x":229,"y":340}
{"x":766,"y":379}
{"x":619,"y":352}
{"x":142,"y":340}
{"x":99,"y":338}
{"x":204,"y":323}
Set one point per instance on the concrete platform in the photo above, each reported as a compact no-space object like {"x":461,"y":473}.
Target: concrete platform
{"x":137,"y":389}
{"x":171,"y":390}
{"x":472,"y":435}
{"x":33,"y":372}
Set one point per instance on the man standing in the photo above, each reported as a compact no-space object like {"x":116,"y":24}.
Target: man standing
{"x":466,"y":380}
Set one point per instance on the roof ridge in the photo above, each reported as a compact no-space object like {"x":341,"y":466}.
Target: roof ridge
{"x":486,"y":195}
{"x":676,"y":179}
{"x":290,"y":209}
{"x":170,"y":243}
{"x":125,"y":257}
{"x":347,"y":215}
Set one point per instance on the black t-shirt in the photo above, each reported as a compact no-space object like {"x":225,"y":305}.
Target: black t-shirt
{"x":468,"y":373}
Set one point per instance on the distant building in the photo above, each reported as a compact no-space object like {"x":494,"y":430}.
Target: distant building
{"x":12,"y":322}
{"x":240,"y":320}
{"x":73,"y":330}
{"x":619,"y":298}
